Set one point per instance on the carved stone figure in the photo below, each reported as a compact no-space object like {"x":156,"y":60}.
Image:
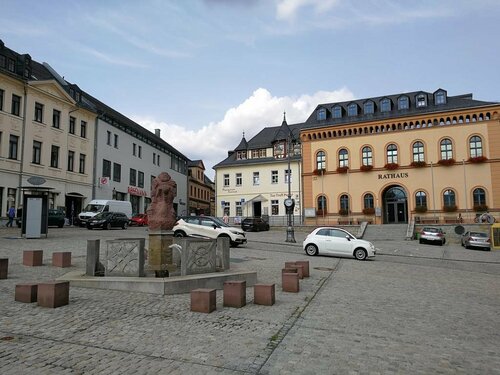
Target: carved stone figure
{"x":161,"y":214}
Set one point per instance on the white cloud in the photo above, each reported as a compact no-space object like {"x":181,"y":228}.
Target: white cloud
{"x":287,"y":9}
{"x":212,"y":142}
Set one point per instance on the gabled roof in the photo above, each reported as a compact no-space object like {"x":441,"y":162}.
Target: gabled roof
{"x":196,"y":164}
{"x":264,"y":139}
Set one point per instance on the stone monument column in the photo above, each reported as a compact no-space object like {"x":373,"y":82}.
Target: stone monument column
{"x":161,"y":220}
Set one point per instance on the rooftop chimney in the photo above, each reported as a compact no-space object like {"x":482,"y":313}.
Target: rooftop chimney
{"x":157,"y":132}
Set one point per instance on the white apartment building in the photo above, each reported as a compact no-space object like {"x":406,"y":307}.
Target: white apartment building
{"x":253,"y":181}
{"x":129,"y":157}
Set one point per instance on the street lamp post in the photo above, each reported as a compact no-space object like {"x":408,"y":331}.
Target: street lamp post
{"x":289,"y":202}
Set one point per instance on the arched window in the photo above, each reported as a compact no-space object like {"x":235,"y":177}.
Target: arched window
{"x":352,"y":109}
{"x":320,"y":160}
{"x":344,"y":202}
{"x":337,"y":111}
{"x":321,"y":114}
{"x":475,"y":146}
{"x":449,"y":198}
{"x":479,"y":197}
{"x":392,"y":154}
{"x":343,"y":158}
{"x":418,"y":151}
{"x":403,"y":103}
{"x":385,"y":105}
{"x":322,"y":203}
{"x":368,"y":201}
{"x":367,"y":156}
{"x":446,"y":149}
{"x":369,"y":107}
{"x":420,"y":199}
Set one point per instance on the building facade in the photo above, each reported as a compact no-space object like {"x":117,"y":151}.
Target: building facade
{"x":255,"y":178}
{"x":128,"y":159}
{"x":77,"y":147}
{"x":201,"y":190}
{"x":46,"y":136}
{"x":425,"y":156}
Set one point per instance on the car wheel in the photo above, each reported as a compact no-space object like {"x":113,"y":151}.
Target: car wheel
{"x":125,"y":225}
{"x":467,"y":246}
{"x":462,"y":243}
{"x":420,"y":241}
{"x":89,"y":228}
{"x":179,"y":233}
{"x":444,"y":241}
{"x":311,"y":249}
{"x":360,"y":254}
{"x":108,"y":226}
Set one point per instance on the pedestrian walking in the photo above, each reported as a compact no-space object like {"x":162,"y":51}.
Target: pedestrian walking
{"x":11,"y":214}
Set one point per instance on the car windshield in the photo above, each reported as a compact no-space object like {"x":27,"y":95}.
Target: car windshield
{"x":478,"y":234}
{"x":93,"y":207}
{"x":102,"y":215}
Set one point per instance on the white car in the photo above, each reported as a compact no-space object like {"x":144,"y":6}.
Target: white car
{"x":336,"y":241}
{"x":208,"y":227}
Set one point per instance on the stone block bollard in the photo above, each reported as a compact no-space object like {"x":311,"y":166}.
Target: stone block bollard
{"x":32,"y":258}
{"x":4,"y":267}
{"x":203,"y":300}
{"x":61,"y":259}
{"x":53,"y":294}
{"x":264,"y":294}
{"x":26,"y":292}
{"x":235,"y":293}
{"x":290,"y":282}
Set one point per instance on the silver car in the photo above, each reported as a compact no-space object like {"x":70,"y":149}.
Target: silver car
{"x":432,"y":234}
{"x":476,"y":239}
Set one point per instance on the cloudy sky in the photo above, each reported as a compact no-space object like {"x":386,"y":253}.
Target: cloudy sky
{"x":205,"y":71}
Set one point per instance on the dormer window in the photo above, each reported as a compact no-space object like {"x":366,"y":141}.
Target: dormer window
{"x":369,"y":107}
{"x":241,"y":155}
{"x":421,"y":101}
{"x":440,"y":97}
{"x":403,"y":103}
{"x":385,"y":105}
{"x":337,"y":111}
{"x":321,"y":114}
{"x":352,"y":109}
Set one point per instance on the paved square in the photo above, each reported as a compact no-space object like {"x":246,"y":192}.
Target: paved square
{"x":412,"y":309}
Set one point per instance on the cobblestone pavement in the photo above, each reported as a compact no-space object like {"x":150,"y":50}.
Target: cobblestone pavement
{"x":412,"y":309}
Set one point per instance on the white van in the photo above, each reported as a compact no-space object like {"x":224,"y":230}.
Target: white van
{"x":102,"y":205}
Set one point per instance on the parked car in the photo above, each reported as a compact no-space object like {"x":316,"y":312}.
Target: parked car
{"x":432,"y":234}
{"x":139,"y":219}
{"x":337,"y":241}
{"x":208,"y":227}
{"x":255,"y":224}
{"x":476,"y":239}
{"x":55,"y":218}
{"x":108,"y":220}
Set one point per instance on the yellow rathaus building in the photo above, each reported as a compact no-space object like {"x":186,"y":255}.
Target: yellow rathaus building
{"x":422,"y":156}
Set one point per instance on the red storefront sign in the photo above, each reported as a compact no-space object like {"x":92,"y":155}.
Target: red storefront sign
{"x":136,"y":191}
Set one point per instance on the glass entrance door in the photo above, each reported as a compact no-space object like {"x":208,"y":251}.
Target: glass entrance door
{"x":395,"y":203}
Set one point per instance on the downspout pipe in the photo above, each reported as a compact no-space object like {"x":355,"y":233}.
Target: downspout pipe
{"x":23,"y":141}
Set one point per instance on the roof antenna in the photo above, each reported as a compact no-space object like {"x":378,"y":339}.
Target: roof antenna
{"x":243,"y":134}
